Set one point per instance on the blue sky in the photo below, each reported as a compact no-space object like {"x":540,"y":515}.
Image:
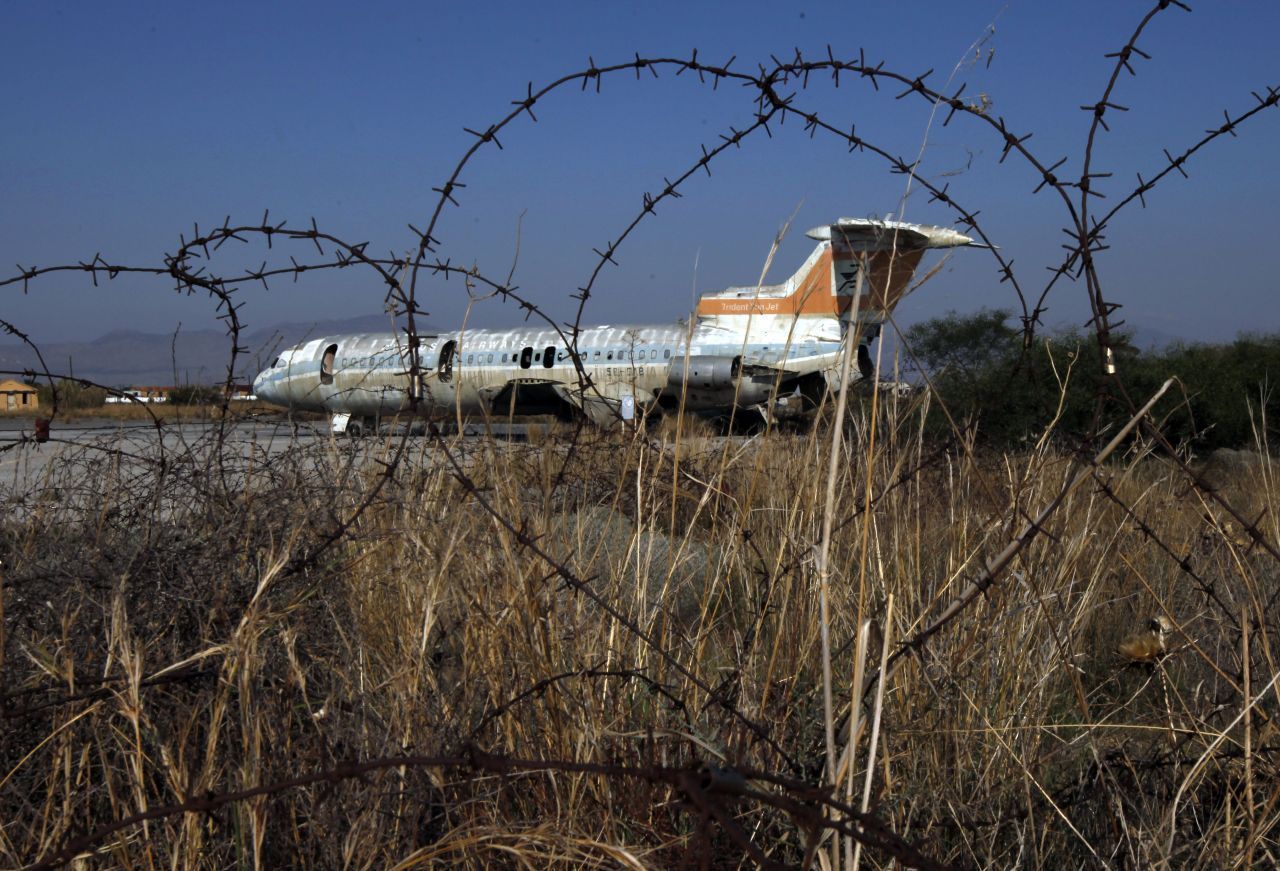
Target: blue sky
{"x":125,"y":124}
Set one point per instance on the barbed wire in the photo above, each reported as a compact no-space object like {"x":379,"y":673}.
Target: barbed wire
{"x":704,"y":785}
{"x":773,"y":92}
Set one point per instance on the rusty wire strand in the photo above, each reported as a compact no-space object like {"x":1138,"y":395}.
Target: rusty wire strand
{"x":772,"y":99}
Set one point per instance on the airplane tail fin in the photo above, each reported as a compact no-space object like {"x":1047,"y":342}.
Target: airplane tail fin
{"x":826,"y":285}
{"x":890,"y":251}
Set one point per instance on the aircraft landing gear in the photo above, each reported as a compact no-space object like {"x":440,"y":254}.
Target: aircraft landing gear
{"x":352,"y":427}
{"x":866,"y":366}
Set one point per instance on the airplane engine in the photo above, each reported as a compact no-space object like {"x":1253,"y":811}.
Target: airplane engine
{"x":705,"y":372}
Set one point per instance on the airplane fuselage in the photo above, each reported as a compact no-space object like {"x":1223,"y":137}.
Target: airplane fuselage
{"x":530,"y":371}
{"x":773,"y":349}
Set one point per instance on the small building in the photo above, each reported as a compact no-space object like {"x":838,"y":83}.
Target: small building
{"x":153,"y":393}
{"x":189,"y":393}
{"x":141,"y":394}
{"x":16,"y":396}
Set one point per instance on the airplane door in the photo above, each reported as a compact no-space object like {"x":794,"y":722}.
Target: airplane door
{"x":445,"y":366}
{"x":326,"y":364}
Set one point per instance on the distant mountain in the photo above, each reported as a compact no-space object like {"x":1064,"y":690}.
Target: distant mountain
{"x":123,"y":358}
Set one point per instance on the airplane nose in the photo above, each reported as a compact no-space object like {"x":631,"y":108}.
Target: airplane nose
{"x":262,"y":389}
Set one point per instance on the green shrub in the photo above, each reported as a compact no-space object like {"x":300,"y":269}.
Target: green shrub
{"x":982,"y":372}
{"x":72,"y":394}
{"x":193,"y":394}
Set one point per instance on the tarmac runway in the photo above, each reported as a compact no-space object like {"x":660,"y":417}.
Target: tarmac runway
{"x":25,"y":464}
{"x":95,"y":444}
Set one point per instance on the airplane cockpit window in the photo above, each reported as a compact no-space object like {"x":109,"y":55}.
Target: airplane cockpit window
{"x":526,"y":358}
{"x":326,"y":364}
{"x":549,"y":357}
{"x":278,"y":363}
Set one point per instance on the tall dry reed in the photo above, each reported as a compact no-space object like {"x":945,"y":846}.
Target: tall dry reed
{"x":602,"y":649}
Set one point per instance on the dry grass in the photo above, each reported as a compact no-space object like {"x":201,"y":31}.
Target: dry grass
{"x":167,"y":635}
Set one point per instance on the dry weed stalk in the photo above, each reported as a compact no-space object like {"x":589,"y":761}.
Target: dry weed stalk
{"x":596,"y":650}
{"x":161,"y":650}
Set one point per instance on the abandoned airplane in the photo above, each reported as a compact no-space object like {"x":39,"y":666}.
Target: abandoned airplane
{"x":771,"y":350}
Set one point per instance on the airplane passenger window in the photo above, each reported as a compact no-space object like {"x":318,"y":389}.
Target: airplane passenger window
{"x":666,"y":353}
{"x":610,"y":355}
{"x":595,"y":355}
{"x":642,"y":355}
{"x":490,"y":360}
{"x":504,"y":358}
{"x":526,"y":358}
{"x":470,"y":357}
{"x":326,"y":364}
{"x":549,"y":358}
